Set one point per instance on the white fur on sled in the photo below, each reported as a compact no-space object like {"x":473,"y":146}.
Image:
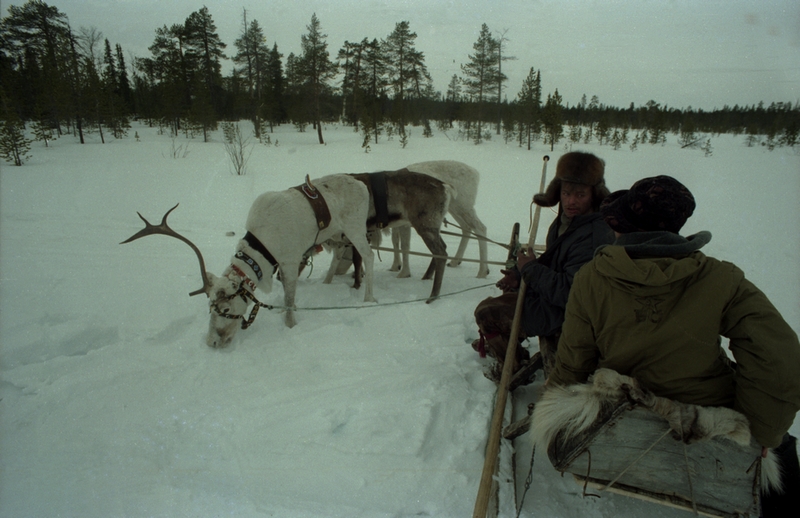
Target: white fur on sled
{"x":573,"y":409}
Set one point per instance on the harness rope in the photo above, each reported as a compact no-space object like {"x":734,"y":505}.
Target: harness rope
{"x":247,"y":322}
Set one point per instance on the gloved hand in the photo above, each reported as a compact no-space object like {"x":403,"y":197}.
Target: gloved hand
{"x":525,"y":256}
{"x":510,"y":280}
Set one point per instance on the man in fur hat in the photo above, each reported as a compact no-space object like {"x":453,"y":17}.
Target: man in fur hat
{"x":578,"y":189}
{"x":653,"y":307}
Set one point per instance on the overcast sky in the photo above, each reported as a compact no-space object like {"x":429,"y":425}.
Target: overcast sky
{"x":699,"y":53}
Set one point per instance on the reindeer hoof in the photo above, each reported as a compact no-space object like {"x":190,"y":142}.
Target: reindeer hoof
{"x":431,"y":299}
{"x":404,"y":275}
{"x":483,"y":274}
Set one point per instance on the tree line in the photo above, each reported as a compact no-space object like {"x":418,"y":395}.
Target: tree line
{"x":56,"y":80}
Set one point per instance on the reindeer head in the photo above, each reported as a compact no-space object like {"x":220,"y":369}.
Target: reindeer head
{"x":227,"y":306}
{"x":227,"y":302}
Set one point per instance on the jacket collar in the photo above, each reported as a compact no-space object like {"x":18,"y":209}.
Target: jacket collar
{"x":661,"y":244}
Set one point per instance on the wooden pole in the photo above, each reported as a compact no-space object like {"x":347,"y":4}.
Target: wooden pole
{"x":535,"y":224}
{"x":493,"y":445}
{"x":495,"y":430}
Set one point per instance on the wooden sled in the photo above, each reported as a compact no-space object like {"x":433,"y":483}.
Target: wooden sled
{"x":631,"y":449}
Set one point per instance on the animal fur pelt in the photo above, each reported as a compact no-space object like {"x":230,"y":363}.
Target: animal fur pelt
{"x":575,"y":167}
{"x":572,"y":409}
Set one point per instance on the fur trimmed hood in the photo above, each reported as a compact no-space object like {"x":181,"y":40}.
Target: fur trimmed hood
{"x":576,"y":167}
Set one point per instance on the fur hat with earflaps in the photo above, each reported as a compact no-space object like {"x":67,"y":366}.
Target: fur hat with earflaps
{"x":575,"y":167}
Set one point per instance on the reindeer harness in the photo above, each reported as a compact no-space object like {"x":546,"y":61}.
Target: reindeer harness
{"x":323,"y":217}
{"x":314,"y":197}
{"x":376,"y":184}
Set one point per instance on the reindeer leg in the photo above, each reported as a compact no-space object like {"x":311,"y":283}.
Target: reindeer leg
{"x":338,"y":251}
{"x":405,"y":246}
{"x":362,"y":248}
{"x":357,"y":261}
{"x":470,"y":224}
{"x":462,"y":245}
{"x":433,"y":240}
{"x":289,"y":281}
{"x":396,"y":263}
{"x":480,"y":230}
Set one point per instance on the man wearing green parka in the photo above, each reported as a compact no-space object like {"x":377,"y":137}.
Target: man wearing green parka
{"x":653,"y":307}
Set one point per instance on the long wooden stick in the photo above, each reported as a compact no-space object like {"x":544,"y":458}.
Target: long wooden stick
{"x":535,"y":224}
{"x":493,"y":445}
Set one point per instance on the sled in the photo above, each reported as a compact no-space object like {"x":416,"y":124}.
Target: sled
{"x":628,"y":451}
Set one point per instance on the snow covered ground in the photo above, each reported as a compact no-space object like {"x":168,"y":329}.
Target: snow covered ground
{"x":112,"y":404}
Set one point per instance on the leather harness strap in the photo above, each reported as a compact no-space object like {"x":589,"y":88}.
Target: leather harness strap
{"x":314,"y":197}
{"x":259,"y":247}
{"x":377,"y":182}
{"x":379,"y":192}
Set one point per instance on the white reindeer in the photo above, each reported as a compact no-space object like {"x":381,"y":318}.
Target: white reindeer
{"x":464,"y":179}
{"x":282,"y":228}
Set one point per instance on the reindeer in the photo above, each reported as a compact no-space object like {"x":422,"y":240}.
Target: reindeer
{"x":282,"y":229}
{"x":406,"y":199}
{"x":464,"y":179}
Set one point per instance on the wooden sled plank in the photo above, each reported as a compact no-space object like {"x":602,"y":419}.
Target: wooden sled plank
{"x":717,"y":477}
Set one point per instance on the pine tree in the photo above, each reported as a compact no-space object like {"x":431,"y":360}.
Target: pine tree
{"x":481,"y":73}
{"x":274,"y":105}
{"x":114,"y":112}
{"x":37,"y":36}
{"x":171,"y":76}
{"x":14,"y":146}
{"x":253,"y":58}
{"x":125,"y":91}
{"x":551,"y":118}
{"x":205,"y":50}
{"x":375,"y":84}
{"x":406,"y":70}
{"x":501,"y":77}
{"x":316,"y":69}
{"x":529,"y":100}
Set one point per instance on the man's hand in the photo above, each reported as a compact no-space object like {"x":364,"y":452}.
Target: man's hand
{"x":524,"y":256}
{"x":509,"y":282}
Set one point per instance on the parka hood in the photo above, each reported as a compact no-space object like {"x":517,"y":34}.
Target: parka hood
{"x":649,"y":263}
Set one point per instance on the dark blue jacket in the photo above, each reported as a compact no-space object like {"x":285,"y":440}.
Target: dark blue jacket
{"x":549,"y":278}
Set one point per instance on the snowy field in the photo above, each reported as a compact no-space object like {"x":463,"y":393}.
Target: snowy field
{"x":112,"y":405}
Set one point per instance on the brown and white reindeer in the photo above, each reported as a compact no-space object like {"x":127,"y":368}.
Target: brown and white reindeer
{"x":407,"y":199}
{"x":282,"y":228}
{"x":464,"y":179}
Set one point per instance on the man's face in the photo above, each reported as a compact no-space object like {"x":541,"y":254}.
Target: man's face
{"x":576,"y":199}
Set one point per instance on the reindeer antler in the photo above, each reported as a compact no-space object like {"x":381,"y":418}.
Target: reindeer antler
{"x":164,"y":229}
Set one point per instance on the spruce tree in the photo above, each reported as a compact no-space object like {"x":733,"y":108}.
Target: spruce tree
{"x":529,"y":100}
{"x":317,"y":70}
{"x":14,"y":146}
{"x":552,"y":119}
{"x":204,"y":50}
{"x":375,"y":84}
{"x":406,"y":70}
{"x":274,"y":105}
{"x":253,"y":58}
{"x":481,"y":73}
{"x":125,"y":91}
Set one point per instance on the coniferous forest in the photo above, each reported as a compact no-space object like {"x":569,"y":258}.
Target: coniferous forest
{"x":56,"y":80}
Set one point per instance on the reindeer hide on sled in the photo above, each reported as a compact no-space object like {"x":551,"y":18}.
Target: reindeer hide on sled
{"x":614,"y":434}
